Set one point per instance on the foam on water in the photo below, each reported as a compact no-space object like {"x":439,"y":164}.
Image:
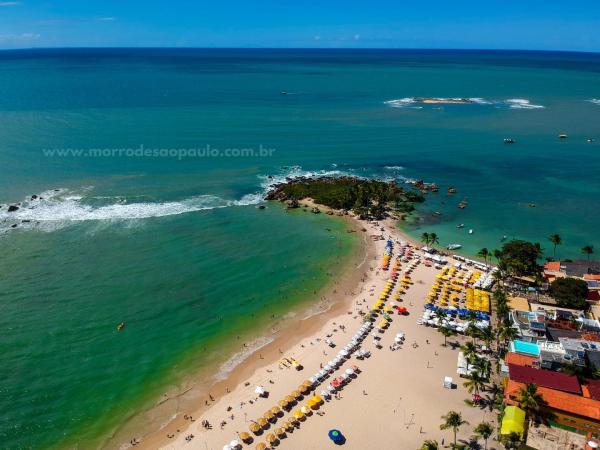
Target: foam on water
{"x":239,"y":357}
{"x":511,"y":103}
{"x":58,"y":208}
{"x":595,"y":101}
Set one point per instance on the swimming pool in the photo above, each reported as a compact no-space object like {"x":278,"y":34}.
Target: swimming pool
{"x":527,"y":348}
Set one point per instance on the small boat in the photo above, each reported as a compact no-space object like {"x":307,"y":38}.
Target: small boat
{"x":590,"y":140}
{"x":471,"y":231}
{"x":283,"y":93}
{"x":453,"y":246}
{"x":121,"y":326}
{"x":451,"y":190}
{"x":563,"y":136}
{"x":437,"y":213}
{"x":509,"y":141}
{"x":460,"y":225}
{"x":503,"y":238}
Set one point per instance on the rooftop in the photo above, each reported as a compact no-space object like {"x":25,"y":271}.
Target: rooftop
{"x":561,"y":401}
{"x":545,"y":378}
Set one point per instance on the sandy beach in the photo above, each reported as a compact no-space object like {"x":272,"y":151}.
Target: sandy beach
{"x":395,"y":401}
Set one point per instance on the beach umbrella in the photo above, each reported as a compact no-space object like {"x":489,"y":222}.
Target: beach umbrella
{"x":275,"y":410}
{"x":261,"y":446}
{"x":330,"y":387}
{"x":262,"y":422}
{"x":312,"y":380}
{"x":307,"y":383}
{"x":349,"y":372}
{"x":234,"y":444}
{"x":288,"y":425}
{"x":316,"y":399}
{"x":227,"y":447}
{"x":268,"y":415}
{"x":296,"y":394}
{"x":244,"y":436}
{"x":283,"y":403}
{"x":259,"y":390}
{"x":325,"y":393}
{"x":289,"y":399}
{"x":336,"y":436}
{"x":299,"y":415}
{"x":254,"y":427}
{"x":305,"y":409}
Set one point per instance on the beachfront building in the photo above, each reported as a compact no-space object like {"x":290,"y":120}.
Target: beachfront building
{"x":568,"y":403}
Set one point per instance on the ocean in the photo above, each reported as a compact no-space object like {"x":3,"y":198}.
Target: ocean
{"x":148,"y":164}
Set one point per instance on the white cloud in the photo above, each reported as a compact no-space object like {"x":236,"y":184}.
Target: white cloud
{"x":9,"y":3}
{"x":22,"y":37}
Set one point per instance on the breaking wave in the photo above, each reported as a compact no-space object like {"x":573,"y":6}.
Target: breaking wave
{"x":595,"y":101}
{"x":58,"y":208}
{"x":418,"y":103}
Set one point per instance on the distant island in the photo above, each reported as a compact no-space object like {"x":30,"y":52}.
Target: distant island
{"x":368,"y":199}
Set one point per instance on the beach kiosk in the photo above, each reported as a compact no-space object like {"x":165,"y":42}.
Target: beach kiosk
{"x":513,"y":421}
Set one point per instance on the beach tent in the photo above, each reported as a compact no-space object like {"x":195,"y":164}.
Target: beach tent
{"x":336,"y":436}
{"x":513,"y":421}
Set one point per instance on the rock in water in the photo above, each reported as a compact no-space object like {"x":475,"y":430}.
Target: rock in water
{"x":13,"y":208}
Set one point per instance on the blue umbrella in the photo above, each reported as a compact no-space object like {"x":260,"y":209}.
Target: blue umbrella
{"x":336,"y":436}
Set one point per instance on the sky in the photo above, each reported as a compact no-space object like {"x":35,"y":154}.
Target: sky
{"x":483,"y":24}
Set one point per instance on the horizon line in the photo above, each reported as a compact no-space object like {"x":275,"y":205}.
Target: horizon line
{"x":491,"y":50}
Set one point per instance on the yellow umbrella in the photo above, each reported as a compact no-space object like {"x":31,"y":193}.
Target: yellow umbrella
{"x":305,"y":409}
{"x":289,"y":425}
{"x":289,"y":399}
{"x":317,"y":399}
{"x":262,"y":422}
{"x":283,"y":403}
{"x":275,"y":410}
{"x":280,"y":432}
{"x":254,"y":427}
{"x":244,"y":436}
{"x":299,"y":415}
{"x":271,"y":438}
{"x":296,"y":394}
{"x":268,"y":415}
{"x":307,"y":383}
{"x":261,"y":446}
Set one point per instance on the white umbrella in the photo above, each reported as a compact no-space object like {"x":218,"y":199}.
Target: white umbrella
{"x":259,"y":390}
{"x":325,"y":393}
{"x":322,"y":373}
{"x":227,"y":447}
{"x":344,"y":376}
{"x":349,"y":371}
{"x":330,"y":388}
{"x":328,"y":367}
{"x":312,"y":379}
{"x":234,"y":444}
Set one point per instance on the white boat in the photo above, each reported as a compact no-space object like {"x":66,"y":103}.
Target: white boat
{"x":471,"y":231}
{"x":453,"y":246}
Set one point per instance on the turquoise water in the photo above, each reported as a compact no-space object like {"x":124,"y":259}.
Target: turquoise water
{"x":175,"y":246}
{"x":528,"y":348}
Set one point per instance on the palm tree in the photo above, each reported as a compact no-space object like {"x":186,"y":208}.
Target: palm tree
{"x":446,"y":332}
{"x":556,"y":240}
{"x":530,"y":399}
{"x":474,"y":383}
{"x":507,"y":333}
{"x":469,"y":350}
{"x":487,"y":336}
{"x":587,"y":250}
{"x":484,"y":253}
{"x":430,"y":444}
{"x":512,"y":440}
{"x":485,"y":430}
{"x":472,"y":331}
{"x":433,"y":239}
{"x":453,"y":420}
{"x":425,"y":239}
{"x":483,"y":367}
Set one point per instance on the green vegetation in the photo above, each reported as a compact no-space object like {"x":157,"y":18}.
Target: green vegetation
{"x":556,"y":240}
{"x":453,"y":421}
{"x":569,"y":292}
{"x":430,"y":445}
{"x":587,"y":250}
{"x":485,"y":430}
{"x":530,"y":400}
{"x":369,"y":199}
{"x":430,"y":239}
{"x":520,"y":258}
